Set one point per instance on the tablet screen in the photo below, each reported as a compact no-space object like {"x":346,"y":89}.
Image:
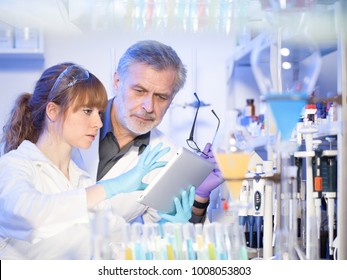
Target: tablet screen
{"x":186,"y":168}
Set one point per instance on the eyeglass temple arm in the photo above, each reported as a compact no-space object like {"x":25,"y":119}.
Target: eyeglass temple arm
{"x":196,"y":114}
{"x":215,"y":134}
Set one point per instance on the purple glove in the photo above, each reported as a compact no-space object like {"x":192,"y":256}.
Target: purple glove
{"x":214,"y":179}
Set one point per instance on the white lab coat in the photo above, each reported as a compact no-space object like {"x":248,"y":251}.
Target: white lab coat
{"x":43,"y":215}
{"x":125,"y":204}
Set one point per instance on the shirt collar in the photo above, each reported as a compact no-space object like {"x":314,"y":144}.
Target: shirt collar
{"x":142,"y":141}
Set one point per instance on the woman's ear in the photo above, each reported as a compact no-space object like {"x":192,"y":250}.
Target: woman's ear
{"x":52,"y":111}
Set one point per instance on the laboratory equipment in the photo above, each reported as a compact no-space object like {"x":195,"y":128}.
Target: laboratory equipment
{"x":244,"y":199}
{"x":329,"y":172}
{"x":311,"y":243}
{"x":268,"y":210}
{"x":258,"y":203}
{"x":317,"y":187}
{"x":189,"y":239}
{"x":182,"y":241}
{"x":286,"y":64}
{"x":100,"y":234}
{"x":232,"y":151}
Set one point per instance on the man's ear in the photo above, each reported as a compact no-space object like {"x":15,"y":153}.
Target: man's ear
{"x":52,"y":111}
{"x":115,"y":80}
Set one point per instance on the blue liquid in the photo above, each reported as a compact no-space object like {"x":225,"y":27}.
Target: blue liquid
{"x":286,"y":109}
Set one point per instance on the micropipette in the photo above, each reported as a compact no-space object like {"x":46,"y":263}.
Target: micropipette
{"x":251,"y":220}
{"x":308,"y":132}
{"x":268,"y":211}
{"x":329,"y":171}
{"x":318,"y":187}
{"x":244,"y":197}
{"x":258,"y":203}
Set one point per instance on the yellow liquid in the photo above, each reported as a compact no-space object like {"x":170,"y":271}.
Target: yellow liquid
{"x":211,"y":251}
{"x":128,"y":253}
{"x":170,"y":252}
{"x":233,"y":166}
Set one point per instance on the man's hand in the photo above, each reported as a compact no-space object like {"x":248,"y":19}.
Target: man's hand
{"x":214,"y":179}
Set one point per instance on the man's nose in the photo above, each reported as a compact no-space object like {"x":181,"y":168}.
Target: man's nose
{"x":148,"y":103}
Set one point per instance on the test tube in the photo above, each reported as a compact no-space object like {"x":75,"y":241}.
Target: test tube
{"x":210,"y":240}
{"x":188,"y":237}
{"x":136,"y":236}
{"x":199,"y":239}
{"x":220,"y":244}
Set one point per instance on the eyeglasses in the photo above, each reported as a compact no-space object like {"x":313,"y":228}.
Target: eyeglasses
{"x":190,"y":141}
{"x":68,"y":78}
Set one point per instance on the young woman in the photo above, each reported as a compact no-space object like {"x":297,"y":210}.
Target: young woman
{"x":45,"y":198}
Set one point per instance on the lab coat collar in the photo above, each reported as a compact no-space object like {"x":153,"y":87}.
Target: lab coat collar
{"x":29,"y":150}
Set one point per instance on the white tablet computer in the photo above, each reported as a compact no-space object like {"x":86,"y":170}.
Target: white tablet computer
{"x":186,"y":168}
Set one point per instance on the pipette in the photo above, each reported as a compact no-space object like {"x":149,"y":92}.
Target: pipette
{"x":258,"y":203}
{"x":244,"y":198}
{"x":329,"y":171}
{"x":294,"y":202}
{"x":318,"y":188}
{"x":308,"y":132}
{"x":251,"y":220}
{"x":268,"y":211}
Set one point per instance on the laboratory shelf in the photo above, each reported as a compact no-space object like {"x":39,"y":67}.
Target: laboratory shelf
{"x":27,"y":45}
{"x":21,"y":54}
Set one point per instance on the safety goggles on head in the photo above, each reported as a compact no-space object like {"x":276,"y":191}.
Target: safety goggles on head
{"x":68,"y":78}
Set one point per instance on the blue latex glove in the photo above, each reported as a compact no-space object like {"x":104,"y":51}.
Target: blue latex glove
{"x":183,"y":210}
{"x":214,"y":179}
{"x":132,"y":179}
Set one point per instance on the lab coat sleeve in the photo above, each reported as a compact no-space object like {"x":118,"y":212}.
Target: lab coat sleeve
{"x":30,"y":215}
{"x":125,"y":205}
